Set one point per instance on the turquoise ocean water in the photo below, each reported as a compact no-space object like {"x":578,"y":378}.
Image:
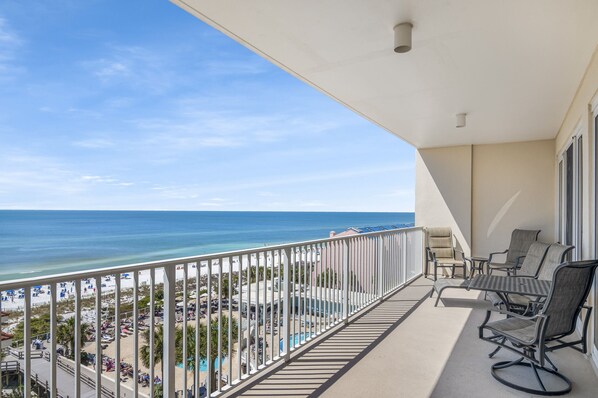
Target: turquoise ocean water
{"x":41,"y":242}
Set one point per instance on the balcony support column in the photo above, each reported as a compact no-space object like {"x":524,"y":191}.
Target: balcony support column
{"x":168,"y":378}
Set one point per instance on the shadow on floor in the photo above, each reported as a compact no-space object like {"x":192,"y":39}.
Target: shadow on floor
{"x":321,"y":365}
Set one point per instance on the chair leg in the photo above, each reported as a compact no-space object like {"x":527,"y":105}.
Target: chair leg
{"x":453,"y":272}
{"x":497,"y":349}
{"x":435,"y":273}
{"x":536,"y":369}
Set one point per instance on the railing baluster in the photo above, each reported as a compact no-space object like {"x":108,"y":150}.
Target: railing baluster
{"x":278,"y":306}
{"x":239,"y":314}
{"x":117,"y":335}
{"x":230,"y":321}
{"x":271,"y":257}
{"x":152,"y":326}
{"x":219,"y":357}
{"x":185,"y":337}
{"x":256,"y":332}
{"x":300,"y":308}
{"x":169,"y":357}
{"x":136,"y":333}
{"x":293,"y":265}
{"x":346,"y":281}
{"x":209,"y":334}
{"x":78,"y":336}
{"x":286,"y":314}
{"x":27,"y":343}
{"x":53,"y":331}
{"x":264,"y":313}
{"x":305,"y":312}
{"x":248,"y":311}
{"x":98,"y":327}
{"x":196,"y":370}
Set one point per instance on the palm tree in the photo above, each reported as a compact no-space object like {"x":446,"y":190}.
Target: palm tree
{"x":214,"y":331}
{"x":158,"y":347}
{"x":65,"y":335}
{"x":203,"y":346}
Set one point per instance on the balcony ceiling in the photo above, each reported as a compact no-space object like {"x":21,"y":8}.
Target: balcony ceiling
{"x":512,"y":65}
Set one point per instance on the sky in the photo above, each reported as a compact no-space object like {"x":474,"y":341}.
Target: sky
{"x":137,"y":105}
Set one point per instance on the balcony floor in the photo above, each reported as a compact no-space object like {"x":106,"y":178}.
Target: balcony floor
{"x":406,"y":347}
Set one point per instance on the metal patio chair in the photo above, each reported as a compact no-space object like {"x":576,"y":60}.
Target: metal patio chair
{"x":521,"y":240}
{"x":441,"y":253}
{"x":535,"y":336}
{"x":555,"y":256}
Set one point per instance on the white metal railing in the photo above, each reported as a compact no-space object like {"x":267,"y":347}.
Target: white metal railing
{"x":232,"y":313}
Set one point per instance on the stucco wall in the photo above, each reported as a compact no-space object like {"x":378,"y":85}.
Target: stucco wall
{"x":513,"y":187}
{"x":443,"y":190}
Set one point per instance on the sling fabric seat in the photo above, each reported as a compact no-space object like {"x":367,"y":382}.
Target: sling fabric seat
{"x":521,"y":240}
{"x":531,"y":265}
{"x":554,"y":257}
{"x":536,"y":336}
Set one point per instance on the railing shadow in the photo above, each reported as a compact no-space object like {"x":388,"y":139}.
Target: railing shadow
{"x":314,"y":370}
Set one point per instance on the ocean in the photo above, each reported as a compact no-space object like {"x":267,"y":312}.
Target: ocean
{"x":34,"y":243}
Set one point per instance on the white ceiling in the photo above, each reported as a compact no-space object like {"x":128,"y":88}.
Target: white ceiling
{"x":512,"y":65}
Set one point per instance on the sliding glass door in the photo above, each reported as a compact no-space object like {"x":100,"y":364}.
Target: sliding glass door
{"x":570,"y":195}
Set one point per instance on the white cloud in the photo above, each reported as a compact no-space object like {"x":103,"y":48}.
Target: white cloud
{"x":10,"y":41}
{"x":94,"y":143}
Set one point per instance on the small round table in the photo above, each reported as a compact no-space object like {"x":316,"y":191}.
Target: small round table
{"x":476,"y":263}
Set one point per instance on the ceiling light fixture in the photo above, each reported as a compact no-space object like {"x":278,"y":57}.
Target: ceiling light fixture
{"x":403,"y":37}
{"x":461,"y":120}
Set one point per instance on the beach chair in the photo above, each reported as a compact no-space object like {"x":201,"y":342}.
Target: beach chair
{"x":534,"y":337}
{"x":441,"y":253}
{"x":521,"y":240}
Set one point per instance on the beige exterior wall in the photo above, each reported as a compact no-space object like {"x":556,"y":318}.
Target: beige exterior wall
{"x":513,"y":187}
{"x":483,"y":192}
{"x":443,"y":191}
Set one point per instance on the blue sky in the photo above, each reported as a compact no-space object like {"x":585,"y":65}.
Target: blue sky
{"x":139,"y":105}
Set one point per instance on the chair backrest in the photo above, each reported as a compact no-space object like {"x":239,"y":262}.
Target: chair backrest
{"x":571,"y":284}
{"x":554,"y":257}
{"x":533,"y":259}
{"x":440,"y":242}
{"x":521,"y":240}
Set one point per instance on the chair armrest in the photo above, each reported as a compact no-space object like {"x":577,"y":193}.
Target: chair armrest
{"x":462,"y":254}
{"x":494,"y":254}
{"x":430,"y":254}
{"x":516,"y":315}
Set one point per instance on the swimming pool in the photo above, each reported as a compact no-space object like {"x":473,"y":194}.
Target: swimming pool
{"x":203,"y":364}
{"x":299,"y":338}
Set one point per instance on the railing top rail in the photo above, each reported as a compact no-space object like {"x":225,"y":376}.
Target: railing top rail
{"x":122,"y":269}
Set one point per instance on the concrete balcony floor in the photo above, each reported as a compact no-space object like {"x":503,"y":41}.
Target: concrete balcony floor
{"x":406,"y":347}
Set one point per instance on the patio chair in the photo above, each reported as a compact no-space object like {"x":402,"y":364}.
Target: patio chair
{"x":521,"y":240}
{"x":554,"y":257}
{"x":530,"y":267}
{"x":535,"y":336}
{"x":441,"y":252}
